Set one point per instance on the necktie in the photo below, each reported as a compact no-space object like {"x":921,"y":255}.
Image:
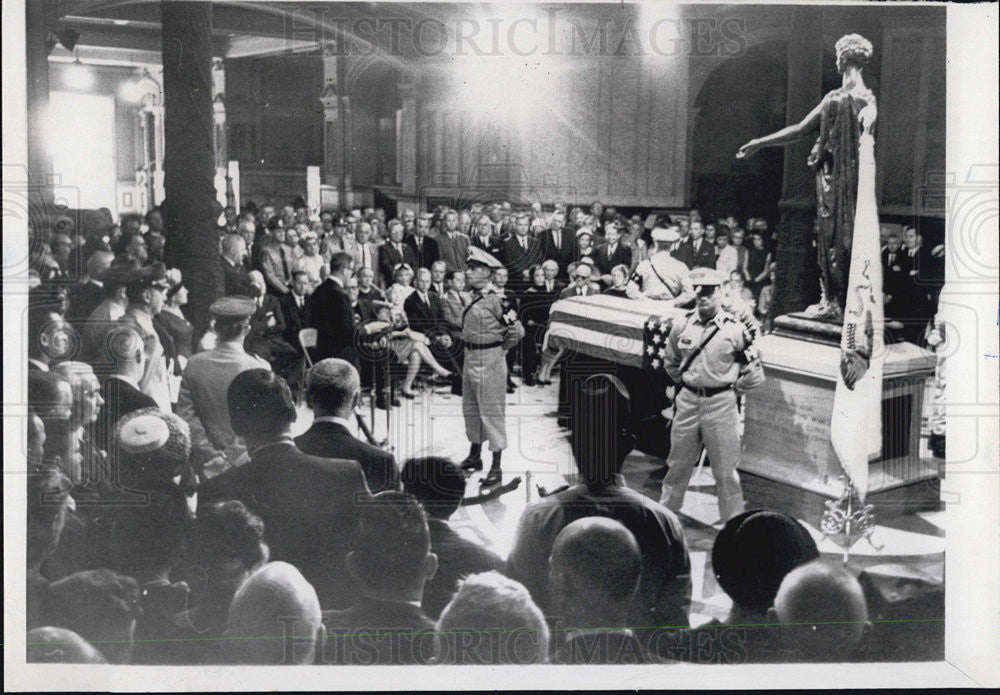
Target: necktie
{"x":284,"y":262}
{"x":611,"y":250}
{"x":555,"y":238}
{"x":548,"y":286}
{"x":524,"y":243}
{"x":364,"y":256}
{"x":892,"y":257}
{"x":579,"y":291}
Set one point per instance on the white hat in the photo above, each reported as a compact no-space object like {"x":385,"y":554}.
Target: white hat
{"x":663,"y":234}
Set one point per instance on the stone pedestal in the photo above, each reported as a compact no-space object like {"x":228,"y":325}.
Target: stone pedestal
{"x":788,"y":462}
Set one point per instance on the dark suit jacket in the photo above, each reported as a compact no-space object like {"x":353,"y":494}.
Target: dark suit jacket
{"x":374,"y":632}
{"x":333,"y":440}
{"x":389,"y":258}
{"x":429,"y":251}
{"x":453,"y":252}
{"x":458,"y":557}
{"x":704,"y":257}
{"x":295,"y":319}
{"x":517,"y":259}
{"x":564,"y":254}
{"x":83,"y":299}
{"x":493,"y":246}
{"x":570,"y":291}
{"x":896,"y":277}
{"x":425,"y":318}
{"x":308,"y":505}
{"x":330,"y":314}
{"x":236,"y":279}
{"x":621,"y":256}
{"x":120,"y":398}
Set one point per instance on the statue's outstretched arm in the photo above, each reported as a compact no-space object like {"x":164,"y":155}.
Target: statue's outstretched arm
{"x":785,"y":135}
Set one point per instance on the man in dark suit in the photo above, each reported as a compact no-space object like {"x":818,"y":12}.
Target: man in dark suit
{"x":453,"y":244}
{"x":486,"y":237}
{"x":559,"y":244}
{"x":234,"y":273}
{"x":697,"y":251}
{"x":425,"y":249}
{"x":392,"y":561}
{"x":425,"y":314}
{"x":439,"y":485}
{"x":120,"y":390}
{"x":521,"y":253}
{"x":580,"y":274}
{"x":393,"y":252}
{"x":330,"y":312}
{"x":612,"y":253}
{"x":333,"y":388}
{"x":309,"y":504}
{"x":267,"y":332}
{"x":896,"y":266}
{"x":86,"y":295}
{"x":295,"y":308}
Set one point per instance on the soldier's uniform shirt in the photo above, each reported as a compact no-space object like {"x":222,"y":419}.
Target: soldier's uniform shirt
{"x":490,"y":320}
{"x":711,"y":420}
{"x":203,"y":405}
{"x":663,"y":276}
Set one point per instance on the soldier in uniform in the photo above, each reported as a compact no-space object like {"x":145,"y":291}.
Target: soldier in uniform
{"x":710,"y":356}
{"x":489,"y":329}
{"x":662,"y":276}
{"x":202,"y":402}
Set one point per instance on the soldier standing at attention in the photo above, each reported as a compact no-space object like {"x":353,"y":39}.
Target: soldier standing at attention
{"x":710,"y":356}
{"x":661,"y":276}
{"x":489,"y":329}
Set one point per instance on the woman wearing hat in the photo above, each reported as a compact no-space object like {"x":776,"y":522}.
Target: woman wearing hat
{"x":172,"y":321}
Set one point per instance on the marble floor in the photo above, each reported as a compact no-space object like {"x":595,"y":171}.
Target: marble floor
{"x":539,"y":454}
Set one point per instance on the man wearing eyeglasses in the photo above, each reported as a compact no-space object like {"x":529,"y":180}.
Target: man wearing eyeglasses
{"x":580,"y":273}
{"x":710,"y":356}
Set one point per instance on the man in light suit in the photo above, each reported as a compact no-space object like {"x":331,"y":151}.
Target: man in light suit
{"x":452,"y":244}
{"x":361,"y":248}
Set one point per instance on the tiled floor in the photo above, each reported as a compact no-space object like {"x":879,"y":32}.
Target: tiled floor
{"x":539,"y":454}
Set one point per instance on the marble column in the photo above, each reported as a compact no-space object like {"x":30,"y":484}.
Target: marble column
{"x":408,"y":140}
{"x":336,"y":125}
{"x":190,"y":208}
{"x":797,"y":278}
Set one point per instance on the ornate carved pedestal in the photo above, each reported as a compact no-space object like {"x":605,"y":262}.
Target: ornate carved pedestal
{"x":788,"y":462}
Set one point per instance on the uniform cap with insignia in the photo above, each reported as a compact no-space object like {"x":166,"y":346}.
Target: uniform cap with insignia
{"x":235,"y":307}
{"x":664,"y":234}
{"x":478,"y":257}
{"x":584,"y":231}
{"x":154,"y":275}
{"x":702,"y":277}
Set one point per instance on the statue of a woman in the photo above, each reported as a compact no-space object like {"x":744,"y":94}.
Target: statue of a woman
{"x":839,"y":118}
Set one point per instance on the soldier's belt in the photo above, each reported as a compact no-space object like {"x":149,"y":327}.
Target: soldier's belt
{"x":485,"y":346}
{"x":706,"y":391}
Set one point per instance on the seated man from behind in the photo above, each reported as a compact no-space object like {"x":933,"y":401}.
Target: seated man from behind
{"x":593,"y":573}
{"x":309,"y":504}
{"x":492,"y":620}
{"x":99,"y":605}
{"x":750,"y":557}
{"x":333,"y":389}
{"x":275,"y":601}
{"x":600,"y":442}
{"x":439,"y":485}
{"x":822,"y":612}
{"x":392,"y":561}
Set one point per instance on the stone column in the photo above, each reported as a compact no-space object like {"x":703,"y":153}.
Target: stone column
{"x":336,"y":125}
{"x":219,"y":114}
{"x":39,"y":162}
{"x":408,"y":140}
{"x":797,"y":280}
{"x":190,"y":208}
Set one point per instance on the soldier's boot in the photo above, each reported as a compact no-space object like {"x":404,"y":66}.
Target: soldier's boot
{"x":495,"y":475}
{"x":474,"y":461}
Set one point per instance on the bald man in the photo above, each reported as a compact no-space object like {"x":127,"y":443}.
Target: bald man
{"x":593,"y":572}
{"x":275,"y":601}
{"x":822,"y":612}
{"x":267,"y":333}
{"x":234,"y":273}
{"x":57,"y":645}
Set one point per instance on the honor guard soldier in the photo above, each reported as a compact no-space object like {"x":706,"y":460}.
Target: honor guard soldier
{"x":710,"y":356}
{"x":661,"y":276}
{"x":489,"y":329}
{"x":202,"y":403}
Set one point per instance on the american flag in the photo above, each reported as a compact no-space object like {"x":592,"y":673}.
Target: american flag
{"x":654,"y":341}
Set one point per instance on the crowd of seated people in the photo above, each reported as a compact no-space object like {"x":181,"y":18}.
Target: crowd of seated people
{"x":171,"y":513}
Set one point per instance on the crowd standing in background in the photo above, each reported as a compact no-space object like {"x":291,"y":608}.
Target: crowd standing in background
{"x":236,"y":536}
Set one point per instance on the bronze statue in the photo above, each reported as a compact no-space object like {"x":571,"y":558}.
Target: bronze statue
{"x":839,"y":118}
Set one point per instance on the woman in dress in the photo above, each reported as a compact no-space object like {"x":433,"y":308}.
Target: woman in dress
{"x":401,"y":287}
{"x":534,"y":315}
{"x":758,"y":262}
{"x":619,"y":281}
{"x":173,"y":321}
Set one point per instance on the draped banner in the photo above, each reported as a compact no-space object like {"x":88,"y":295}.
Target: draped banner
{"x":856,"y":426}
{"x":608,"y":328}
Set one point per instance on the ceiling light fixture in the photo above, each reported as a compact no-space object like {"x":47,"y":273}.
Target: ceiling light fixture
{"x":78,"y":75}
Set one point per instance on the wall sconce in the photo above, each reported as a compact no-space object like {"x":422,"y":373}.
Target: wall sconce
{"x":134,"y":91}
